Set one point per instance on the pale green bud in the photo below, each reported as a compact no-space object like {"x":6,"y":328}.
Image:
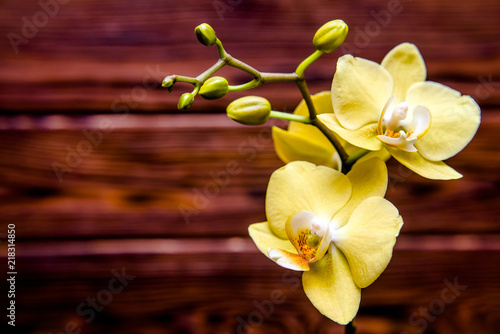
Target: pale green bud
{"x":249,"y":110}
{"x":330,"y":36}
{"x":168,"y":83}
{"x":186,"y":101}
{"x":205,"y":34}
{"x":214,"y":88}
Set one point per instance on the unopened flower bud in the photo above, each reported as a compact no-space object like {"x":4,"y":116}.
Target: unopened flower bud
{"x":168,"y":83}
{"x":186,"y":101}
{"x":330,"y":36}
{"x":205,"y":34}
{"x":214,"y":88}
{"x":249,"y":110}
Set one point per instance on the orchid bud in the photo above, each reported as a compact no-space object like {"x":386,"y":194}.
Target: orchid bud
{"x":205,"y":34}
{"x":330,"y":36}
{"x":168,"y":83}
{"x":186,"y":101}
{"x":249,"y":110}
{"x":214,"y":88}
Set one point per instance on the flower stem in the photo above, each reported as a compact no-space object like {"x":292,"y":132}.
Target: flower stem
{"x":249,"y":85}
{"x":356,"y":156}
{"x":350,"y":328}
{"x":317,"y":122}
{"x":308,"y":61}
{"x":259,"y":78}
{"x":290,"y":117}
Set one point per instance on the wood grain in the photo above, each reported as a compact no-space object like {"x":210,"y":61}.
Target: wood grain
{"x":167,"y":197}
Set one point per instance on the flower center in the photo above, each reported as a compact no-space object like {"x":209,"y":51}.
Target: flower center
{"x":308,"y":234}
{"x":396,"y":130}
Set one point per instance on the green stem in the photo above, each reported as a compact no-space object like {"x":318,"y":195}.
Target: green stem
{"x":317,"y":122}
{"x":356,"y":156}
{"x":231,"y":61}
{"x":350,"y":328}
{"x":220,"y":49}
{"x":211,"y":71}
{"x":308,"y":61}
{"x":290,"y":117}
{"x":181,"y":78}
{"x":249,"y":85}
{"x":273,"y":77}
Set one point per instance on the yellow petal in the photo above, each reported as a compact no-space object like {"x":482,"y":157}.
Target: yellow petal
{"x":302,"y":186}
{"x":455,"y":119}
{"x":368,"y":238}
{"x":382,"y":154}
{"x":364,"y":137}
{"x":360,"y":89}
{"x":288,"y":260}
{"x":406,"y":66}
{"x":368,"y":178}
{"x":264,"y":239}
{"x":436,"y":170}
{"x":323,"y":105}
{"x":292,"y":147}
{"x":330,"y":287}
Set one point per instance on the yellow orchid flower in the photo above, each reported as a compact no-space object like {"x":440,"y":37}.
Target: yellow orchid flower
{"x":338,"y":229}
{"x":391,"y":105}
{"x":305,"y":142}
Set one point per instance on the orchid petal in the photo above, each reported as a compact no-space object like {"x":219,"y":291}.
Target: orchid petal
{"x":300,"y":186}
{"x":455,"y":119}
{"x":421,"y":122}
{"x":290,"y":147}
{"x":364,"y":137}
{"x":288,"y":260}
{"x":406,"y":66}
{"x":368,"y":238}
{"x":436,"y":170}
{"x":360,"y":89}
{"x":330,"y":287}
{"x":368,"y":178}
{"x":264,"y":238}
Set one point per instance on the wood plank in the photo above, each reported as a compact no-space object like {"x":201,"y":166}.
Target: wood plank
{"x":84,"y":68}
{"x":144,"y":182}
{"x":195,"y":289}
{"x":121,"y":205}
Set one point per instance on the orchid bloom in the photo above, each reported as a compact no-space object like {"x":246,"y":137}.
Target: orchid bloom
{"x":305,"y":142}
{"x":391,"y":105}
{"x":338,"y":229}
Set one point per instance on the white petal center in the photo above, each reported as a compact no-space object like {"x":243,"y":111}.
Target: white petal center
{"x":396,"y":130}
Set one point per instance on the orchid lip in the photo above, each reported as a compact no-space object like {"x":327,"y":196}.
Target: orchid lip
{"x":308,"y":234}
{"x":397,"y":130}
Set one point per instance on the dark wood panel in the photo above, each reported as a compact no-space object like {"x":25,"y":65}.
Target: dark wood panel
{"x":204,"y":182}
{"x":83,"y":62}
{"x":120,"y":205}
{"x":210,"y":290}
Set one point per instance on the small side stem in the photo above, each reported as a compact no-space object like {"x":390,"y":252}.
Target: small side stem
{"x":211,"y":71}
{"x":220,"y":49}
{"x":182,"y":78}
{"x":290,"y":117}
{"x":308,"y":61}
{"x":249,"y":85}
{"x":356,"y":156}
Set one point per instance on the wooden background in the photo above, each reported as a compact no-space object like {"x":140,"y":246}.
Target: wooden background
{"x":166,"y":197}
